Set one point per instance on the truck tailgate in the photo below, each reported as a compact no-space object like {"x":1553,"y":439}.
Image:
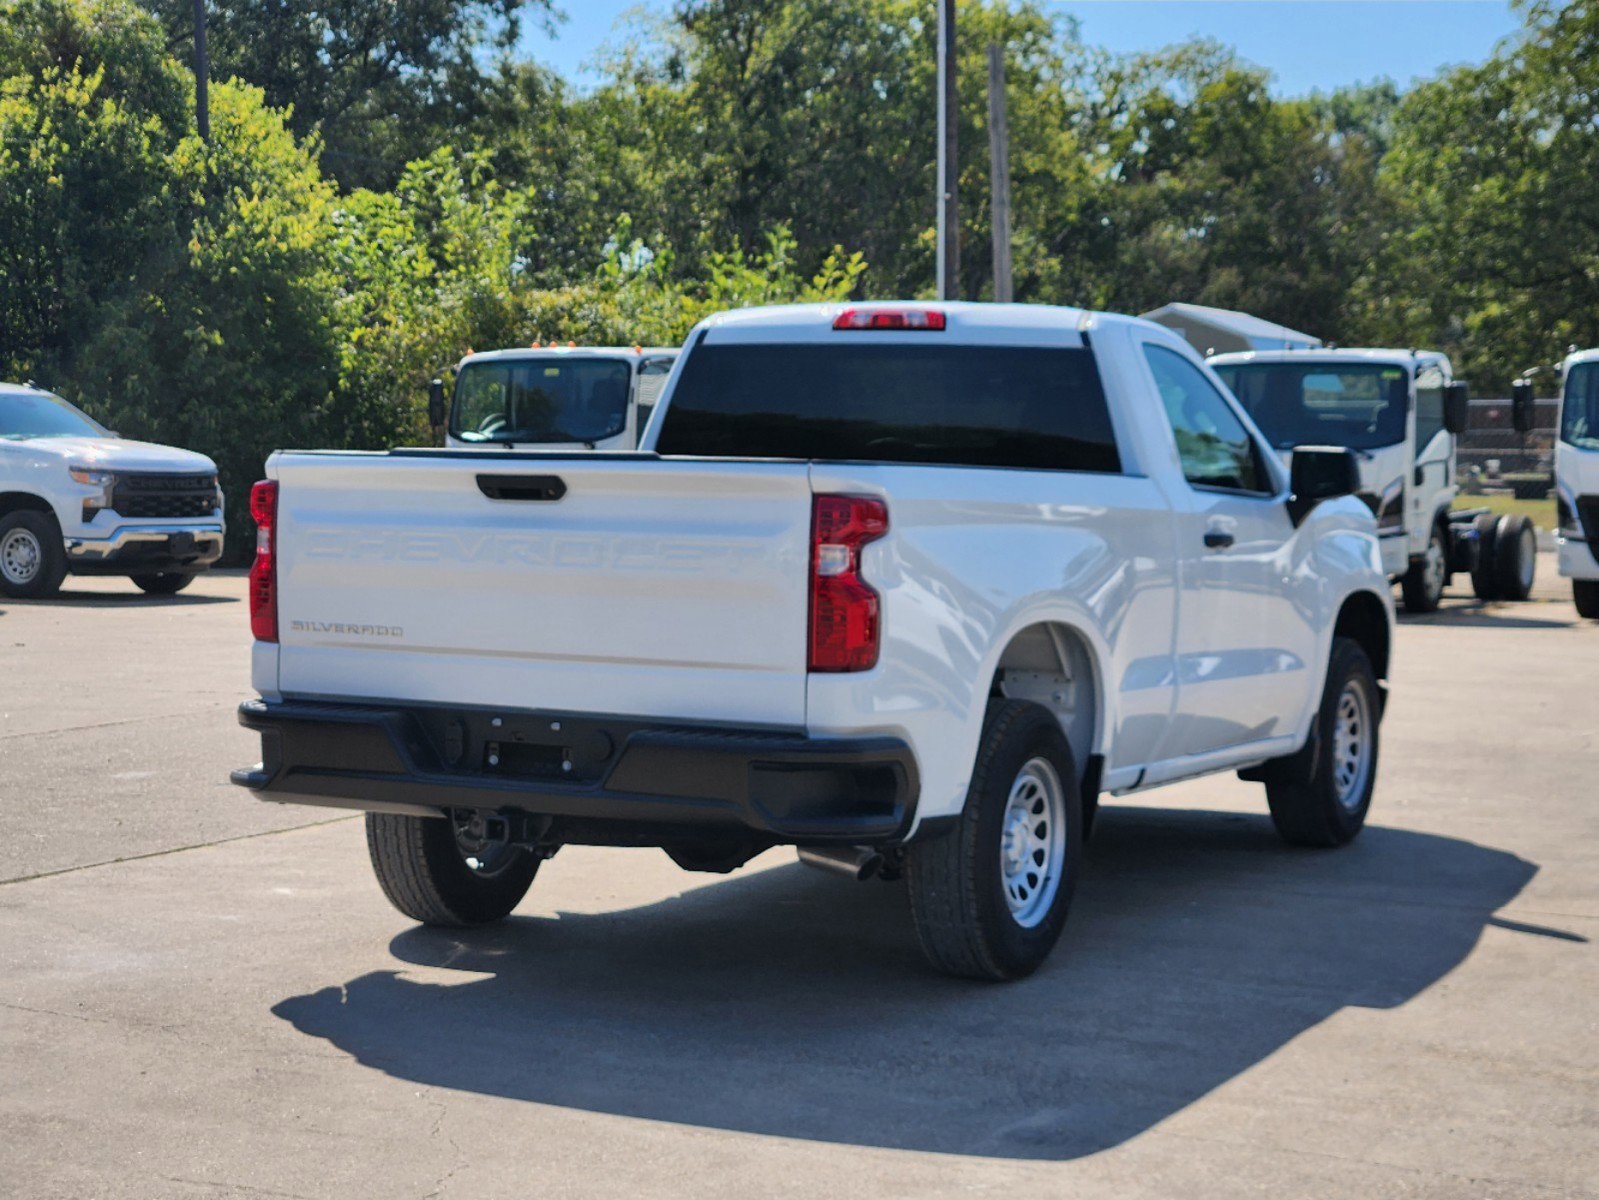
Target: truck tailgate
{"x":648,"y":588}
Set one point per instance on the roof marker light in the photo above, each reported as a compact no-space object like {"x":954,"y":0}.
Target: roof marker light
{"x":921,"y":319}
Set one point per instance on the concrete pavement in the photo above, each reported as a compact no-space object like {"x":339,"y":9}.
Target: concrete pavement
{"x":1409,"y":1017}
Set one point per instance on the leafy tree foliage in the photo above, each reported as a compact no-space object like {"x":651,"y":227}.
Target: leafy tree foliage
{"x":380,"y":81}
{"x":387,"y":188}
{"x":1494,"y":253}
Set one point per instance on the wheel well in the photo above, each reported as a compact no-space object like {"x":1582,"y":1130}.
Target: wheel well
{"x":11,"y":502}
{"x":1052,"y":664}
{"x":1363,"y":619}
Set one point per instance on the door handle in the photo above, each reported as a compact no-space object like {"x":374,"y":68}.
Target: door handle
{"x":522,"y":487}
{"x":1218,"y":539}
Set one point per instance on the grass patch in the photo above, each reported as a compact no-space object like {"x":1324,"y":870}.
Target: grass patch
{"x":1542,"y":511}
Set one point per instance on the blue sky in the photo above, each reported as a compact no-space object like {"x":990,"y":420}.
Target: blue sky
{"x":1306,"y":44}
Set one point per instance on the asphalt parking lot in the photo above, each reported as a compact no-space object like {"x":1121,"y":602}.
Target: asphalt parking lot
{"x":204,"y":996}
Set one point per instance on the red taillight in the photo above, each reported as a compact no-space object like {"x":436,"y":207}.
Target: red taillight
{"x":845,"y":619}
{"x":890,"y":318}
{"x":264,"y":571}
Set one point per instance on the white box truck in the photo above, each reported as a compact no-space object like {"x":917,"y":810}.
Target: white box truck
{"x":1401,"y":412}
{"x":1577,"y":476}
{"x":547,"y":397}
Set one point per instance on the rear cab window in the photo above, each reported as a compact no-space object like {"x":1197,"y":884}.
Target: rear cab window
{"x":1041,"y":408}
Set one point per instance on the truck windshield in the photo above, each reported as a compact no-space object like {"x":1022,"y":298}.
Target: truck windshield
{"x":1322,"y":404}
{"x":543,"y":399}
{"x":997,"y":406}
{"x":1579,"y":410}
{"x":34,"y":414}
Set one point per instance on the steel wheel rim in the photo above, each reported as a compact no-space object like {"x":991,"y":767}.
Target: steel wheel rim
{"x":1529,"y":551}
{"x":1352,"y":751}
{"x":484,"y":859}
{"x":21,"y":555}
{"x":1032,"y":847}
{"x":1432,"y":570}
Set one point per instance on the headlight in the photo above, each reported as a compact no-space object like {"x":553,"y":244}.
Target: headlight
{"x":91,"y":477}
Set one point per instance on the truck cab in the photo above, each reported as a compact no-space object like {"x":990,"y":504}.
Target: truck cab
{"x":1577,"y":478}
{"x":1400,"y":411}
{"x":554,"y":397}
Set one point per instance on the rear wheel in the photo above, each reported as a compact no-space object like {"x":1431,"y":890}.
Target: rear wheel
{"x":1484,"y":581}
{"x":990,"y":898}
{"x":166,"y":583}
{"x":435,"y":870}
{"x":1585,"y":594}
{"x":1423,"y":584}
{"x":1320,"y":796}
{"x":33,"y":561}
{"x":1515,"y":557}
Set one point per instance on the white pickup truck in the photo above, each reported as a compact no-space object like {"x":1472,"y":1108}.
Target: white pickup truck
{"x":75,"y":498}
{"x":906,"y":586}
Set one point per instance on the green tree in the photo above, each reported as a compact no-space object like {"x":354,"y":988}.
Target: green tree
{"x":379,"y":81}
{"x":1494,"y":250}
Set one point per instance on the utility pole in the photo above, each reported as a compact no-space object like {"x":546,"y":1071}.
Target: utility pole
{"x":948,"y":267}
{"x":202,"y":72}
{"x":999,"y":171}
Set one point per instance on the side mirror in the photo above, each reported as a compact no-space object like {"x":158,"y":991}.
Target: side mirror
{"x":1457,"y":408}
{"x":1522,"y":405}
{"x":1321,"y":473}
{"x":436,"y":403}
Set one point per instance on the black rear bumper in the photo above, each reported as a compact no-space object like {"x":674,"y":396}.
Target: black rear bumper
{"x":422,"y":761}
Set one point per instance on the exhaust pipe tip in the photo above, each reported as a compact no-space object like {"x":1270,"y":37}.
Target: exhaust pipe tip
{"x":860,"y":863}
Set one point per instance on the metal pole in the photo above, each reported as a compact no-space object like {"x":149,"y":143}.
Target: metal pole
{"x":948,"y":266}
{"x":202,"y":72}
{"x":999,"y":172}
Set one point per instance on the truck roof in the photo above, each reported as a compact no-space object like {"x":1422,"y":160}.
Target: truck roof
{"x":967,"y":322}
{"x":522,"y":352}
{"x":1227,"y":329}
{"x":1582,"y":356}
{"x":1338,"y":354}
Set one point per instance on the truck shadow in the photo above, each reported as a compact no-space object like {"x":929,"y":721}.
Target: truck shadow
{"x":794,"y":1004}
{"x":133,"y":598}
{"x":1491,"y":615}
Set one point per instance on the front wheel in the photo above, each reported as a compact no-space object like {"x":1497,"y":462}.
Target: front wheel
{"x":1423,"y":585}
{"x":1320,"y":796}
{"x":165,"y":583}
{"x":434,"y":871}
{"x":1585,"y":594}
{"x":990,"y":898}
{"x":33,"y":559}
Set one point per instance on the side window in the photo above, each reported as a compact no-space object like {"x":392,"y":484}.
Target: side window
{"x":1429,"y":405}
{"x":1215,"y":448}
{"x":480,"y":400}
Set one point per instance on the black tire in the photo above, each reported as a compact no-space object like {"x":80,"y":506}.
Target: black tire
{"x":1484,"y":579}
{"x":167,"y":583}
{"x":424,"y":873}
{"x":957,"y":883}
{"x":1308,"y":806}
{"x":1515,"y":557}
{"x":1585,"y":595}
{"x":33,"y":560}
{"x":1421,"y":594}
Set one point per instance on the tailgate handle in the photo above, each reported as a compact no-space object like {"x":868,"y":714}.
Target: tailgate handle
{"x":522,"y":487}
